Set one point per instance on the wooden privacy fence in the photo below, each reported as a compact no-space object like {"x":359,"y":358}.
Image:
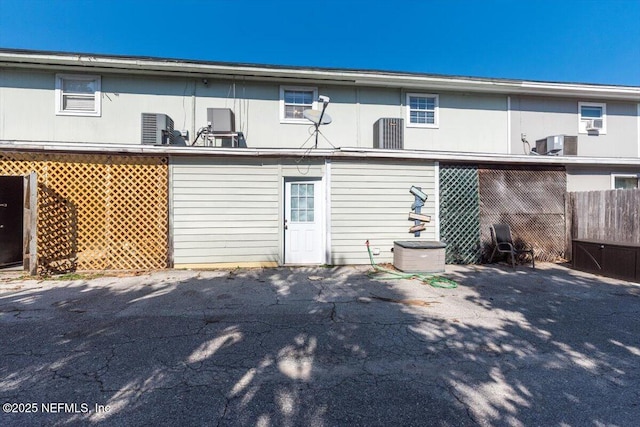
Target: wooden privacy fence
{"x":97,"y":212}
{"x":531,"y":200}
{"x":610,"y":215}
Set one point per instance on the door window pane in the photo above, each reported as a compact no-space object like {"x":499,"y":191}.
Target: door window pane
{"x":302,"y":203}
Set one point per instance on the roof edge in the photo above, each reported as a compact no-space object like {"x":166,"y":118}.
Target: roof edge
{"x":346,"y":152}
{"x":410,"y":80}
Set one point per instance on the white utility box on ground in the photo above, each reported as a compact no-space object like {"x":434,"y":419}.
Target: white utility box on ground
{"x":419,"y":256}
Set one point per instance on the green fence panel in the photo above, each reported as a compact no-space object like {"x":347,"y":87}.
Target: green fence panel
{"x":460,"y":214}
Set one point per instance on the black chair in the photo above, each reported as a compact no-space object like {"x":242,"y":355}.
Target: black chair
{"x":501,"y":235}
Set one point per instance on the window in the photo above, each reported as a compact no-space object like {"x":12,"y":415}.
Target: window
{"x":592,"y":118}
{"x":302,"y":198}
{"x":422,"y":110}
{"x":624,"y":182}
{"x":78,"y":95}
{"x":294,"y":100}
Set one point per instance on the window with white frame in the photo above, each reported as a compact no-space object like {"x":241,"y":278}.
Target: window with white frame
{"x":78,"y":95}
{"x":624,"y":181}
{"x":592,"y":117}
{"x":294,"y":100}
{"x":422,"y":110}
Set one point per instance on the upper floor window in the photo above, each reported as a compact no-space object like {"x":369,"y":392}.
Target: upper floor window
{"x":422,"y":110}
{"x":624,"y":181}
{"x":78,"y":95}
{"x":592,"y":117}
{"x":294,"y":100}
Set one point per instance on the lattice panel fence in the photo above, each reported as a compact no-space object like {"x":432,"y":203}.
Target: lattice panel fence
{"x":97,"y":212}
{"x":460,"y":214}
{"x":531,"y":201}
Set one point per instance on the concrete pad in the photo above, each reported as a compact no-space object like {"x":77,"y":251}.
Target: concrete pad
{"x":321,"y":346}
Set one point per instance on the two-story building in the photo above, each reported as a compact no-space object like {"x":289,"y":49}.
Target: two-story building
{"x":150,"y":162}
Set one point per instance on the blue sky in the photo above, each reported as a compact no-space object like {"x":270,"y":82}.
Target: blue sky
{"x":568,"y":41}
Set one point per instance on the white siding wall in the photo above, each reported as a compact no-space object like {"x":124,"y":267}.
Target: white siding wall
{"x":371,"y":200}
{"x":230,"y":210}
{"x":224,"y":211}
{"x":468,"y":122}
{"x":471,"y":123}
{"x":27,"y":108}
{"x":583,"y":178}
{"x":539,"y":117}
{"x":373,"y":104}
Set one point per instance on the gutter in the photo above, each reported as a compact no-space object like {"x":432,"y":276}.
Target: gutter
{"x":345,"y":152}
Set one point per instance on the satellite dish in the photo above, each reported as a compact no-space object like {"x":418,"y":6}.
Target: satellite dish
{"x":317,"y":117}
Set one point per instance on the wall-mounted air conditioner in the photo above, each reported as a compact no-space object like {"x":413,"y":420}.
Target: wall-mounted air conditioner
{"x":157,"y":129}
{"x":388,"y":133}
{"x":594,"y":125}
{"x":559,"y":145}
{"x":221,"y":120}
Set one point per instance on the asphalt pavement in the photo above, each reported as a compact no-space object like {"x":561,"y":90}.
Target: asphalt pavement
{"x":320,"y":347}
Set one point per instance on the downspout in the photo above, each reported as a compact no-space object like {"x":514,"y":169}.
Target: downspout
{"x":508,"y":124}
{"x":281,"y":215}
{"x":193,"y":110}
{"x":436,"y":198}
{"x":327,"y":207}
{"x":357,"y":116}
{"x":171,"y":250}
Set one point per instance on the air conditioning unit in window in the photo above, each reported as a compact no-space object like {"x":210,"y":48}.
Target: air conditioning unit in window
{"x":559,"y":145}
{"x":388,"y":133}
{"x":594,"y":124}
{"x":157,"y":129}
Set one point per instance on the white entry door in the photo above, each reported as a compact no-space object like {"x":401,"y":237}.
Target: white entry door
{"x":304,"y":222}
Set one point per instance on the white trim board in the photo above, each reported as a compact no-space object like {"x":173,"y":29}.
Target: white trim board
{"x":508,"y":125}
{"x":436,"y":197}
{"x":327,"y":210}
{"x":344,"y":152}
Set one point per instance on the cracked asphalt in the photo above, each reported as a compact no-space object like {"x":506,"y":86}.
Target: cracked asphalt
{"x":321,"y":347}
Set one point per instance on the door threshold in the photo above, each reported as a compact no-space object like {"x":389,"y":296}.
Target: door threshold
{"x":303,"y":265}
{"x":12,"y":267}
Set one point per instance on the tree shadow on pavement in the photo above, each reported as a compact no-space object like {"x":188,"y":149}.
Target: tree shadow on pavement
{"x":315,"y":346}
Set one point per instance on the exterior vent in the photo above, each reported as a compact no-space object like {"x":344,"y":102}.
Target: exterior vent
{"x":559,"y":145}
{"x":221,"y":120}
{"x":388,"y":133}
{"x":157,"y":129}
{"x":595,"y":124}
